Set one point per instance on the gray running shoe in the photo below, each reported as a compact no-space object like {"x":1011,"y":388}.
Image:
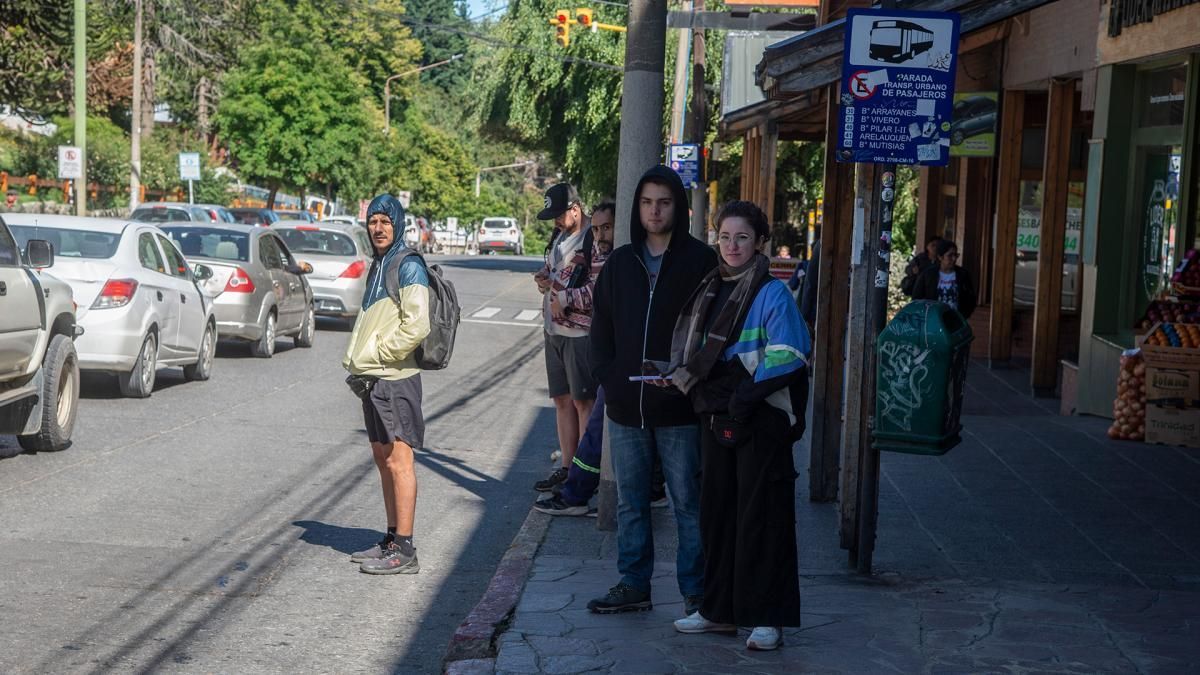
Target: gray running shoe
{"x":556,"y":506}
{"x":621,"y":598}
{"x":373,"y":553}
{"x":392,"y":562}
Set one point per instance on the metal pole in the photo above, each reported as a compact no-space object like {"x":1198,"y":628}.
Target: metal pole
{"x":135,"y":136}
{"x":640,"y":149}
{"x":191,"y":196}
{"x":679,"y":106}
{"x":699,"y":124}
{"x":387,"y":89}
{"x":81,"y":104}
{"x":478,"y":180}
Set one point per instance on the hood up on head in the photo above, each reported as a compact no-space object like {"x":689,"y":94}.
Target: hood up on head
{"x":682,"y":226}
{"x":390,"y":207}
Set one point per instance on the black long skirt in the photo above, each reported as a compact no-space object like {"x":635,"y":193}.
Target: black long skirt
{"x":748,"y":526}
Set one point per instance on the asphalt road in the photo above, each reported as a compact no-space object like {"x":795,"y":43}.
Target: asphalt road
{"x":208,"y":528}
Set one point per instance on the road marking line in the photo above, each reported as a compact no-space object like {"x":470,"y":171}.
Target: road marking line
{"x":501,"y":323}
{"x":486,"y":313}
{"x":529,"y":315}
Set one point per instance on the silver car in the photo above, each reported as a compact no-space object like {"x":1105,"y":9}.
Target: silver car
{"x":139,"y":304}
{"x":171,"y":212}
{"x":340,"y":255}
{"x":259,"y":288}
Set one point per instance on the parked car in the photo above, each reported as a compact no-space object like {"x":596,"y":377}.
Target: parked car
{"x":259,"y":289}
{"x":501,"y":234}
{"x":218,"y":213}
{"x":251,"y":216}
{"x":39,"y":369}
{"x":349,"y":220}
{"x":340,"y":256}
{"x":299,"y":214}
{"x":139,"y":304}
{"x":1025,"y":280}
{"x":973,"y":115}
{"x":170,"y":212}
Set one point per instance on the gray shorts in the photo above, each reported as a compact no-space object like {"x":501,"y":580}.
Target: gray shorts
{"x":569,"y":367}
{"x":393,"y":411}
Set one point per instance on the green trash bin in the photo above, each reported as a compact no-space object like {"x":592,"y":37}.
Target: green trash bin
{"x":922,"y":358}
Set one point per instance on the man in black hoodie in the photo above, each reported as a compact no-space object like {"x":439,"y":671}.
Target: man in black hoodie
{"x":638,"y":297}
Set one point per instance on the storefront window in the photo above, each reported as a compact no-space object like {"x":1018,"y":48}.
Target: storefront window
{"x":1162,"y":97}
{"x":1159,"y":211}
{"x":1029,"y":222}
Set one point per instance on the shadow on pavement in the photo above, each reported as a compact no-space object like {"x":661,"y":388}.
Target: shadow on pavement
{"x":93,"y":385}
{"x":505,"y":263}
{"x":342,"y":539}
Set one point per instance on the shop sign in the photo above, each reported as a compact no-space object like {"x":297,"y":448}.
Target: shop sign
{"x":1125,"y":13}
{"x":897,"y":87}
{"x":1029,"y":227}
{"x":973,"y":126}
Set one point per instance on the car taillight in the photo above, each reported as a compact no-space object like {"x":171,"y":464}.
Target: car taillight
{"x":239,"y":282}
{"x":354,"y":271}
{"x":116,"y":293}
{"x":213,"y":214}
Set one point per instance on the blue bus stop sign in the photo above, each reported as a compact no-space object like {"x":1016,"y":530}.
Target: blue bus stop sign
{"x":897,"y":89}
{"x":685,"y":160}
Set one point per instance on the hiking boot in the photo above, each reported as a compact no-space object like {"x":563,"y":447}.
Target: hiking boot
{"x":621,"y":598}
{"x":556,"y":477}
{"x":764,"y":639}
{"x":555,"y":506}
{"x":694,"y":623}
{"x":691,"y":604}
{"x":373,"y":553}
{"x":393,"y":561}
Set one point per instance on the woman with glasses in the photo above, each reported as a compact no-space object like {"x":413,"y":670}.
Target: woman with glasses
{"x":740,"y":352}
{"x":946,"y":282}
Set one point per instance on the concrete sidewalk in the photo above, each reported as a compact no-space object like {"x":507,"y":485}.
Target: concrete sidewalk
{"x":1038,"y":545}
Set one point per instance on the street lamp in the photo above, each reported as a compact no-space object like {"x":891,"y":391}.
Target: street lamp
{"x":387,"y":89}
{"x":479,"y":173}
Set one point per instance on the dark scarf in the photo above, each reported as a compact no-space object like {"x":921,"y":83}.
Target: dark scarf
{"x":693,"y":354}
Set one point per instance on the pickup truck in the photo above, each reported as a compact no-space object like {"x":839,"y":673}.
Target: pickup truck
{"x":39,"y":371}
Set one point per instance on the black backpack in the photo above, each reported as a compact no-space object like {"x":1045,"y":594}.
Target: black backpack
{"x":444,"y":311}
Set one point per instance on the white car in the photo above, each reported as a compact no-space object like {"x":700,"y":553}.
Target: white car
{"x":501,"y":234}
{"x":139,"y":304}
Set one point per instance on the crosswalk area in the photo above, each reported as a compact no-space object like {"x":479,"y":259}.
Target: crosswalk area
{"x":506,"y":316}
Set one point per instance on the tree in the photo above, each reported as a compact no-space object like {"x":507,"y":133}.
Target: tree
{"x":433,"y":164}
{"x":294,"y":116}
{"x":440,"y":44}
{"x":571,"y":111}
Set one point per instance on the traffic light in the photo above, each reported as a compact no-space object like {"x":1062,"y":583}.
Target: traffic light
{"x":584,"y":18}
{"x":562,"y":28}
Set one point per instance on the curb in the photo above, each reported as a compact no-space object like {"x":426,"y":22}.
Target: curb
{"x":474,"y":637}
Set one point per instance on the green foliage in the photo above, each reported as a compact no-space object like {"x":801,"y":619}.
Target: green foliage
{"x":433,"y":164}
{"x":570,"y":111}
{"x":369,"y":35}
{"x":296,"y":116}
{"x":439,"y":45}
{"x":160,"y":167}
{"x":904,"y":218}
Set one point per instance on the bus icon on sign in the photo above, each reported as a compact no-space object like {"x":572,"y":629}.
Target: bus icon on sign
{"x":896,"y":41}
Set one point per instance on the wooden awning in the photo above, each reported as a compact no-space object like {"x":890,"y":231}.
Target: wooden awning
{"x":800,"y":118}
{"x":813,"y":60}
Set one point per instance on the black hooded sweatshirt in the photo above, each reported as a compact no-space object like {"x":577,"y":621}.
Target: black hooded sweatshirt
{"x":632,"y":323}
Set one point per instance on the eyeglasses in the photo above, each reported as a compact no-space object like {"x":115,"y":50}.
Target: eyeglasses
{"x":738,"y":240}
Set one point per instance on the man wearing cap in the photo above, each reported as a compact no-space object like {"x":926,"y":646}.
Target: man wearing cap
{"x":565,"y":282}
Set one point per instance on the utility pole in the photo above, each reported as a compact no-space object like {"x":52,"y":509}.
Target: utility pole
{"x":640,"y":149}
{"x":81,"y":103}
{"x":679,"y":105}
{"x":135,"y":136}
{"x":699,"y":125}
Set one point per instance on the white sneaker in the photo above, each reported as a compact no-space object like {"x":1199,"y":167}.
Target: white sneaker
{"x":764,"y":638}
{"x":698,"y":624}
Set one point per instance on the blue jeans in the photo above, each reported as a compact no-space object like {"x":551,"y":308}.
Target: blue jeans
{"x":633,"y":451}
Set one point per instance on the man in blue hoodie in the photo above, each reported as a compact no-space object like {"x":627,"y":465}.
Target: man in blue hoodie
{"x":393,"y":322}
{"x":639,"y":295}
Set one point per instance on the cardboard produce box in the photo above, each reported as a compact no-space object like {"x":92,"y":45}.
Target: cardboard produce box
{"x":1167,"y":425}
{"x":1172,"y":386}
{"x":1165,"y":356}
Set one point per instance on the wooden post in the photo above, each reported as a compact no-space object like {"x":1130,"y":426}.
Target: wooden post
{"x":1004,"y":257}
{"x":769,"y":148}
{"x":1055,"y":183}
{"x":854,"y":426}
{"x":929,"y":205}
{"x":973,"y":234}
{"x":833,"y":300}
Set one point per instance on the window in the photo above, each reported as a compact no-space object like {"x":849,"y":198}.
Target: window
{"x":1162,"y":96}
{"x":176,"y":265}
{"x":160,"y":214}
{"x":71,"y":243}
{"x":148,"y":253}
{"x":269,"y":253}
{"x":318,"y":242}
{"x":8,"y":248}
{"x":211,"y":242}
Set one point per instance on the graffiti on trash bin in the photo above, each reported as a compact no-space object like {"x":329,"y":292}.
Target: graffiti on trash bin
{"x":904,"y":374}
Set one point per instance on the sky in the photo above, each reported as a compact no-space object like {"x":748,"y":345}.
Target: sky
{"x":483,"y":6}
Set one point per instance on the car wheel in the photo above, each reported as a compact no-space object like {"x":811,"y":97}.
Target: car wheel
{"x":308,"y":329}
{"x":264,"y":348}
{"x":139,"y":382}
{"x":957,"y":138}
{"x":202,"y":369}
{"x":60,"y":396}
